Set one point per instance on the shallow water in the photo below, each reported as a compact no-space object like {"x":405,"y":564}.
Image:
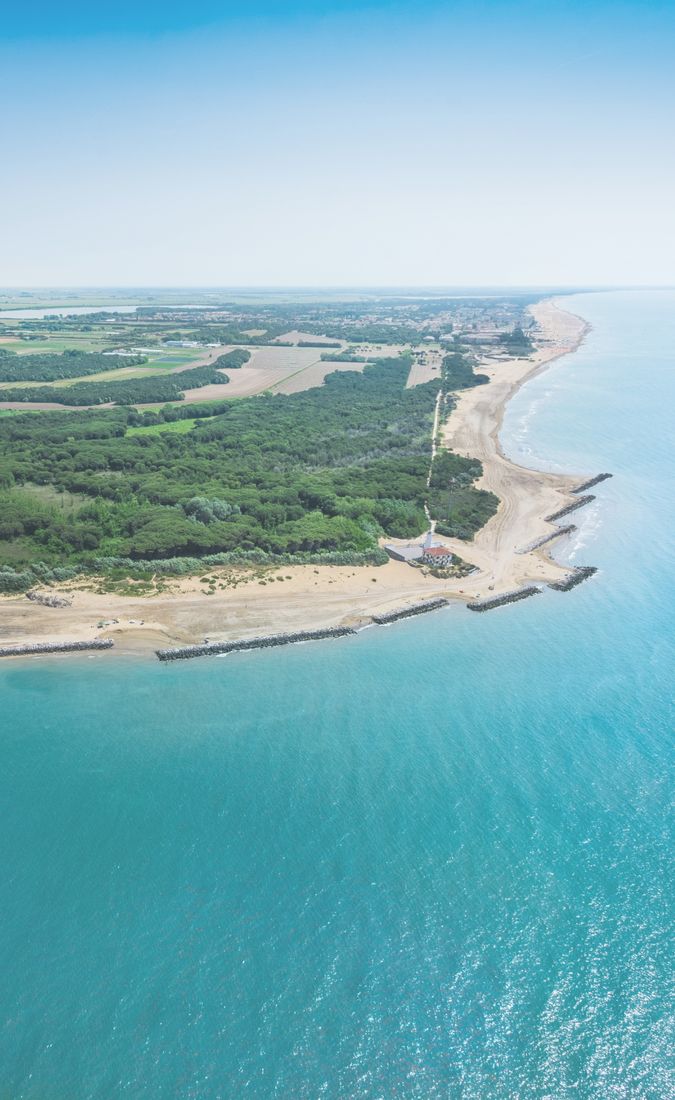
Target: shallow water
{"x":430,"y":861}
{"x":60,"y":311}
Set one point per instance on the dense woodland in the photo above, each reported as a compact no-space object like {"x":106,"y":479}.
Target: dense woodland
{"x":458,"y":373}
{"x":45,"y":367}
{"x":328,"y":469}
{"x":126,"y":391}
{"x":458,"y":508}
{"x":323,"y":471}
{"x":224,"y":334}
{"x":347,"y":355}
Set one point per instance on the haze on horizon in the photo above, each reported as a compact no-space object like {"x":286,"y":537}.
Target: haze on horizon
{"x":338,"y":144}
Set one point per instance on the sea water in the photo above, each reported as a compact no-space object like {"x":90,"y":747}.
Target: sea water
{"x":430,"y":861}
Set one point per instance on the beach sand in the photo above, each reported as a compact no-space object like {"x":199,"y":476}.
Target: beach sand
{"x":317,"y":596}
{"x":526,"y":496}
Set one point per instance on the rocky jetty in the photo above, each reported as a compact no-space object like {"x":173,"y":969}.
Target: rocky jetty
{"x":589,"y":484}
{"x":209,"y":649}
{"x":47,"y":599}
{"x":547,"y":538}
{"x":569,"y":508}
{"x":406,"y":612}
{"x":573,"y":579}
{"x":54,"y":647}
{"x":507,"y":597}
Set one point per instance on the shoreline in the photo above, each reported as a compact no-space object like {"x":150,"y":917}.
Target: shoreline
{"x":509,"y":553}
{"x":584,"y":327}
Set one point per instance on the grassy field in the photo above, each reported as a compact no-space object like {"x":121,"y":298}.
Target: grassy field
{"x":48,"y":494}
{"x":180,"y":426}
{"x":56,"y":344}
{"x":178,"y":357}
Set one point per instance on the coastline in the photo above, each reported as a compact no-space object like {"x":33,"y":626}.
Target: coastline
{"x":306,"y":597}
{"x":503,"y":549}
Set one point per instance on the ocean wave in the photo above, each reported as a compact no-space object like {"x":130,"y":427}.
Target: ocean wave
{"x":588,"y":529}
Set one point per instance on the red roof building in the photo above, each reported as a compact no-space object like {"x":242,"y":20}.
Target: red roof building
{"x":437,"y":555}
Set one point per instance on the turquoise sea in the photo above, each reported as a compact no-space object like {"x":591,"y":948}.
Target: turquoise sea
{"x":433,"y":861}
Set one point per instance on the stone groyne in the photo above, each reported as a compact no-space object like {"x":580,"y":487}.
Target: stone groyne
{"x":208,"y":649}
{"x":406,"y":612}
{"x":580,"y":574}
{"x":589,"y":484}
{"x":547,"y":538}
{"x":268,"y":641}
{"x":488,"y":603}
{"x":569,"y":508}
{"x":54,"y":647}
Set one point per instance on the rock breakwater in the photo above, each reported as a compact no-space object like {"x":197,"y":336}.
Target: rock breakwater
{"x":579,"y":503}
{"x":567,"y":530}
{"x":54,"y":647}
{"x":490,"y":602}
{"x":589,"y":484}
{"x":406,"y":612}
{"x":269,"y":641}
{"x":208,"y":649}
{"x":582,"y":573}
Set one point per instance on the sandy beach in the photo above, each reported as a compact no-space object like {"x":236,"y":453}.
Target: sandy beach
{"x":305,"y":597}
{"x":526,"y":496}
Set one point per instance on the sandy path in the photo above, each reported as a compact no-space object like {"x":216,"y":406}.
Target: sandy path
{"x":326,"y":596}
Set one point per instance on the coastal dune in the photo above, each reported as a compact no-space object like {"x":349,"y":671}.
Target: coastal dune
{"x":511,"y":552}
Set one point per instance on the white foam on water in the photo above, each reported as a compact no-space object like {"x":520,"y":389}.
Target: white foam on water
{"x":588,"y":529}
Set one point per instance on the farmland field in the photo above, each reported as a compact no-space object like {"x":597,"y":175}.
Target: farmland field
{"x":269,"y":368}
{"x":313,"y":375}
{"x":425,"y":370}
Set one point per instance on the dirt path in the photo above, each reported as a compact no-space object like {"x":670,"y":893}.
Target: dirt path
{"x":434,"y":448}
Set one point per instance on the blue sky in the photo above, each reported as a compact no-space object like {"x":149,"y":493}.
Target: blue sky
{"x":338,"y":143}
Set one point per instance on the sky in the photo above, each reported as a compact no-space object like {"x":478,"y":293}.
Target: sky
{"x":337,"y":143}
